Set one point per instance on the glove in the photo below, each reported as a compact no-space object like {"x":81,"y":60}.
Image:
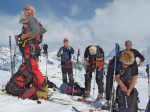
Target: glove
{"x":45,"y":48}
{"x":69,"y":48}
{"x":61,"y":52}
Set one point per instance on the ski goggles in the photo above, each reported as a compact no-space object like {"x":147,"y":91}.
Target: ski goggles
{"x":26,"y":9}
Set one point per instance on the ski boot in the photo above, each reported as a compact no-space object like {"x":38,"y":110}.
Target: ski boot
{"x":86,"y":94}
{"x":99,"y":97}
{"x":106,"y":106}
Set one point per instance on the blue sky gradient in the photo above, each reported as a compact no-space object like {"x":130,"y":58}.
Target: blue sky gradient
{"x":84,"y":22}
{"x":60,"y":8}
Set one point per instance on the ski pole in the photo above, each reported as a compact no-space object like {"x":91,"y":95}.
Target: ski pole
{"x":14,"y":59}
{"x":147,"y":70}
{"x":94,"y":87}
{"x":78,"y":54}
{"x":11,"y":55}
{"x":45,"y":52}
{"x":115,"y":66}
{"x":126,"y":101}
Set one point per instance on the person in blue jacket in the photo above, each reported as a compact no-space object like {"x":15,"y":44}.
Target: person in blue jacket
{"x":65,"y":53}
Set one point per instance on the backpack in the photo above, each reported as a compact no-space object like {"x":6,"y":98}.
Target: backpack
{"x":19,"y":84}
{"x":67,"y":88}
{"x":39,"y":38}
{"x":127,"y":103}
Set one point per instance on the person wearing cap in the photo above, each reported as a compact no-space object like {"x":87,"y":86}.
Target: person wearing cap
{"x":32,"y":32}
{"x":94,"y":61}
{"x":65,"y":53}
{"x":110,"y":71}
{"x":126,"y":78}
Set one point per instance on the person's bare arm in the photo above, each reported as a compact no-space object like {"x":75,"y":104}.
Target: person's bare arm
{"x":132,"y":84}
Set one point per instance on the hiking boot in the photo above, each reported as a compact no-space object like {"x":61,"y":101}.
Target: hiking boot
{"x":86,"y":94}
{"x":106,"y":106}
{"x":100,"y":96}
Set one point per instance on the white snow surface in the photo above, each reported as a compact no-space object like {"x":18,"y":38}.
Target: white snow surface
{"x":13,"y":104}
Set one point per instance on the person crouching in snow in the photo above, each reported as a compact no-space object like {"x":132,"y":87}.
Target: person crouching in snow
{"x":126,"y":77}
{"x":94,"y":61}
{"x":65,"y":53}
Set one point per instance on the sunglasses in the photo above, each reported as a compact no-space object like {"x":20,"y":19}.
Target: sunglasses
{"x":26,"y":9}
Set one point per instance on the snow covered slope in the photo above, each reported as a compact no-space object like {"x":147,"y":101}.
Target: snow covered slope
{"x":13,"y":104}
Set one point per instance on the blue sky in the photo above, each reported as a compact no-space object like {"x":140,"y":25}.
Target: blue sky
{"x":60,"y":8}
{"x":84,"y":22}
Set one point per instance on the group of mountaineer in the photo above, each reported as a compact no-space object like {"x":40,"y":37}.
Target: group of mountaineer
{"x":126,"y":67}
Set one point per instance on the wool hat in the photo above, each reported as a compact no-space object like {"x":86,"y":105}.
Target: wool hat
{"x":127,"y":57}
{"x":93,"y":50}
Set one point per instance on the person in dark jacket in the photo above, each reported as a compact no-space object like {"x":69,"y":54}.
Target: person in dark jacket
{"x":110,"y":70}
{"x":128,"y":45}
{"x":94,"y":61}
{"x":126,"y":76}
{"x":65,"y":53}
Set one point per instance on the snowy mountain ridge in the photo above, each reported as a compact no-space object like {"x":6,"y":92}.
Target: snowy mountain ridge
{"x":54,"y":75}
{"x":53,"y":59}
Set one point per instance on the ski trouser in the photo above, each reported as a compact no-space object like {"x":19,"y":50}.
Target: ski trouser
{"x":99,"y":79}
{"x":127,"y":103}
{"x":31,"y":53}
{"x":66,"y":68}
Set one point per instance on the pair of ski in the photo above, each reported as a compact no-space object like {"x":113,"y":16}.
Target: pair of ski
{"x":95,"y":105}
{"x":90,"y":110}
{"x":50,"y":99}
{"x":59,"y":101}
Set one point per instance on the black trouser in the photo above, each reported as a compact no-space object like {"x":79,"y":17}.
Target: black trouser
{"x":66,"y":68}
{"x":99,"y":79}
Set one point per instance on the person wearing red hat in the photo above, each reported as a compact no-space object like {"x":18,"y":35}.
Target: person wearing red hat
{"x":65,"y":53}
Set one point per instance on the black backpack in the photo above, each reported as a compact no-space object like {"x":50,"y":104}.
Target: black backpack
{"x":67,"y":88}
{"x":19,"y":82}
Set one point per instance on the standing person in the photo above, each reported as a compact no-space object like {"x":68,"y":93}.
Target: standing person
{"x":31,"y":36}
{"x":126,"y":76}
{"x":65,"y":53}
{"x":128,"y":45}
{"x":94,"y":60}
{"x":28,"y":79}
{"x":110,"y":71}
